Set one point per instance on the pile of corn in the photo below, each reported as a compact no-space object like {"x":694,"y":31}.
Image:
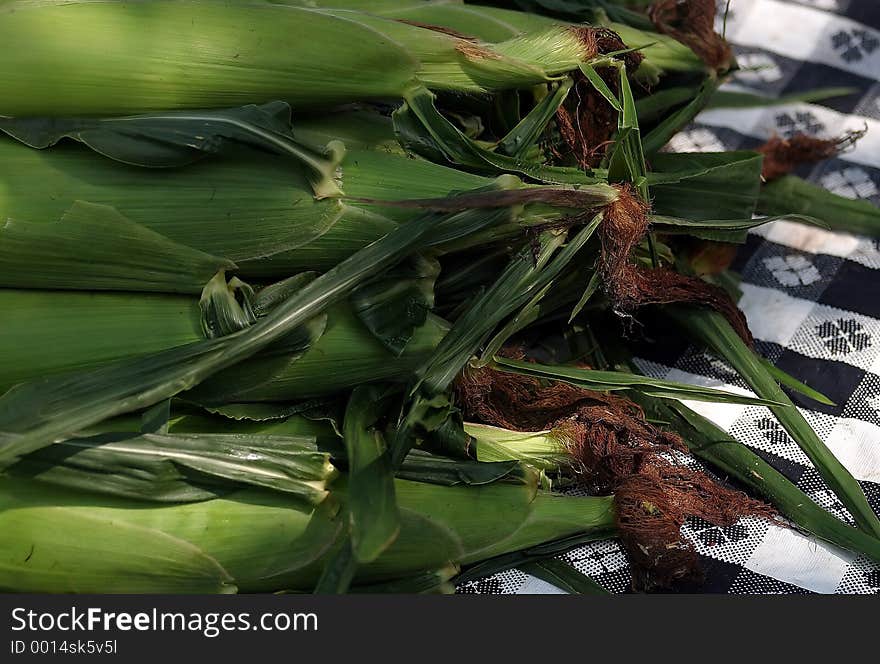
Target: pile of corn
{"x":330,"y":296}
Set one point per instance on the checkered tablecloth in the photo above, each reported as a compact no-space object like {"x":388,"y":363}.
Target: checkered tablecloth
{"x":812,"y":299}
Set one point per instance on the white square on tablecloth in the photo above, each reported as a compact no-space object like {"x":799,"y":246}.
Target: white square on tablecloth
{"x":856,"y":444}
{"x":535,"y":586}
{"x":773,"y":316}
{"x":805,"y":562}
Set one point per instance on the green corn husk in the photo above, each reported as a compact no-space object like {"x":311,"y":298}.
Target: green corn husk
{"x":345,"y":354}
{"x":195,"y":456}
{"x":45,"y":332}
{"x":660,"y":51}
{"x":634,"y":27}
{"x":320,"y":431}
{"x":544,"y":450}
{"x":177,"y":55}
{"x":50,"y":332}
{"x":167,"y":139}
{"x":251,"y":541}
{"x":175,"y":468}
{"x":473,"y":21}
{"x":436,"y":582}
{"x":255,"y":210}
{"x":494,"y":24}
{"x":564,"y":576}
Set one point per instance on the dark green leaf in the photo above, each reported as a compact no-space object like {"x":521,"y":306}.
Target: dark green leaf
{"x":654,"y":106}
{"x":524,"y":277}
{"x":601,"y":87}
{"x":592,"y":286}
{"x":706,"y":185}
{"x":676,"y":121}
{"x":339,"y":570}
{"x":793,"y":383}
{"x":516,"y":559}
{"x":261,"y":412}
{"x":422,"y":129}
{"x":721,"y":230}
{"x":627,"y":162}
{"x":397,"y":302}
{"x":372,"y":505}
{"x":611,"y":381}
{"x":423,"y":467}
{"x":424,"y":416}
{"x":269,"y":297}
{"x":229,"y":307}
{"x":527,"y":132}
{"x":226,"y":306}
{"x":447,"y":437}
{"x":528,"y":314}
{"x":427,"y":582}
{"x":238,"y":382}
{"x":733,"y":99}
{"x":155,"y":419}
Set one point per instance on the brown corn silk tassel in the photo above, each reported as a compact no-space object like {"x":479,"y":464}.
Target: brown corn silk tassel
{"x":692,"y":22}
{"x":630,"y":286}
{"x":586,"y":121}
{"x":783,"y":155}
{"x":640,"y":286}
{"x":615,"y":450}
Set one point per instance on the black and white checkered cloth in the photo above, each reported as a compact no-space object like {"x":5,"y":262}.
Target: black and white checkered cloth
{"x":812,"y":299}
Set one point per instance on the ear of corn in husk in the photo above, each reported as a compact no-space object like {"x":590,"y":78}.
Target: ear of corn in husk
{"x":257,"y":541}
{"x":278,"y":52}
{"x":50,"y":332}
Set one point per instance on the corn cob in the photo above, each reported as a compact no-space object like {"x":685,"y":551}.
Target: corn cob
{"x":50,"y":332}
{"x":177,"y":55}
{"x":253,"y":541}
{"x":254,"y":210}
